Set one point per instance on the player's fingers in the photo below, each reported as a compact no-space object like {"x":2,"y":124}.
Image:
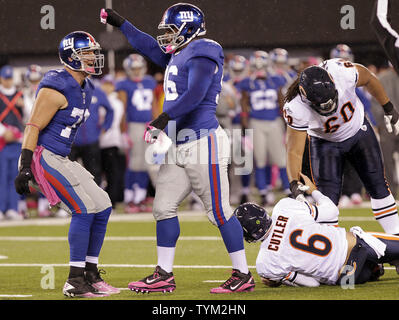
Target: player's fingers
{"x":388,"y":125}
{"x":103,"y":16}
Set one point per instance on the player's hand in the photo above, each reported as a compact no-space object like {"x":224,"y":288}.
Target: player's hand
{"x":391,"y":118}
{"x":111,"y":17}
{"x":21,"y":182}
{"x":151,"y":134}
{"x":308,"y":183}
{"x":298,"y":189}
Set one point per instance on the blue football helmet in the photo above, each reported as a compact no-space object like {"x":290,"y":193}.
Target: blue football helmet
{"x":79,"y":51}
{"x":259,"y":61}
{"x":135,"y":66}
{"x":254,"y":220}
{"x":238,"y":67}
{"x":279,"y":56}
{"x":183,"y":22}
{"x":317,"y":89}
{"x":342,"y":51}
{"x":34,"y":73}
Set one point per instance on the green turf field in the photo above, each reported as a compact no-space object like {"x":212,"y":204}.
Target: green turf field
{"x":34,"y":252}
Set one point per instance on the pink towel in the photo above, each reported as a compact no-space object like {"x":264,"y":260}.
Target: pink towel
{"x":38,"y":173}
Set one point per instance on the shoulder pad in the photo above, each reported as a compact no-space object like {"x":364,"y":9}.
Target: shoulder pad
{"x":54,"y":79}
{"x":206,"y":48}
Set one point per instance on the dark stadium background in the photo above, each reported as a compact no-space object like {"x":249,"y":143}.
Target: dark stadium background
{"x":300,"y":26}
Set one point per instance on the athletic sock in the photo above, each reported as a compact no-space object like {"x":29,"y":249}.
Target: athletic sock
{"x":78,"y":239}
{"x":168,"y":232}
{"x":232,"y":235}
{"x":97,"y":232}
{"x":386,"y":213}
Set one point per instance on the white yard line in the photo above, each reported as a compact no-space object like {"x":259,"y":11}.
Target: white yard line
{"x":132,"y":238}
{"x":15,"y":295}
{"x":117,"y":265}
{"x":134,"y":266}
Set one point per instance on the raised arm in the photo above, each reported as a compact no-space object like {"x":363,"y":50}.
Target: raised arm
{"x":141,"y":41}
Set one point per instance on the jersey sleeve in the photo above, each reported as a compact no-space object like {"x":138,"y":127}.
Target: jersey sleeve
{"x":342,"y":71}
{"x":326,"y":211}
{"x":206,"y":48}
{"x":296,"y":115}
{"x":53,"y":80}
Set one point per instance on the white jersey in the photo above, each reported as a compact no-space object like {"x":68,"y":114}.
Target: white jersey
{"x":348,"y":118}
{"x":297,"y":243}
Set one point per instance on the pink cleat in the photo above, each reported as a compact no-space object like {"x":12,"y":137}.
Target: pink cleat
{"x":238,"y":282}
{"x":95,"y":280}
{"x":159,"y":281}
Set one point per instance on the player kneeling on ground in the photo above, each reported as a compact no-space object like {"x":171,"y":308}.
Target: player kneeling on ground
{"x":302,"y":247}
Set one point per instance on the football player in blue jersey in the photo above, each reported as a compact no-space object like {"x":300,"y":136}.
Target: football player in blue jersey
{"x":137,"y":94}
{"x":261,"y":95}
{"x":61,"y":106}
{"x":194,"y":70}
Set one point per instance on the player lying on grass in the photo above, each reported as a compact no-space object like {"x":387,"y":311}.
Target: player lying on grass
{"x":302,"y":247}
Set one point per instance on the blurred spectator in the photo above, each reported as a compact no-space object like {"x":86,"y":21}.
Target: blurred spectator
{"x":261,"y":98}
{"x":86,"y":145}
{"x":11,"y":128}
{"x":111,"y":144}
{"x":238,"y":69}
{"x":136,"y":92}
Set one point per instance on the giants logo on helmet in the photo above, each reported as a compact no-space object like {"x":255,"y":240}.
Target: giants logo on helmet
{"x":187,"y":16}
{"x":68,"y":44}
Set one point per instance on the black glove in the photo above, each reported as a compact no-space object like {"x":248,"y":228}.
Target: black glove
{"x":391,"y":118}
{"x":161,"y":122}
{"x":25,"y":174}
{"x":155,"y":127}
{"x":297,"y":188}
{"x":111,"y":17}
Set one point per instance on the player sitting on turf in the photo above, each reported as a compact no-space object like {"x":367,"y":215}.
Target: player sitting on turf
{"x":301,"y":247}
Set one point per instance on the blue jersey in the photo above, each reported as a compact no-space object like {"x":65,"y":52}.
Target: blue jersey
{"x":263,"y":97}
{"x":203,"y":116}
{"x":140,"y":96}
{"x":89,"y":132}
{"x":59,"y":134}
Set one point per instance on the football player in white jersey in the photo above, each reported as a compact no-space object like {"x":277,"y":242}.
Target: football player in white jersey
{"x":301,"y":246}
{"x":322,"y":105}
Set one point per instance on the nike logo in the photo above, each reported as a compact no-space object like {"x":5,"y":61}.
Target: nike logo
{"x":151,"y":281}
{"x":235,"y":287}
